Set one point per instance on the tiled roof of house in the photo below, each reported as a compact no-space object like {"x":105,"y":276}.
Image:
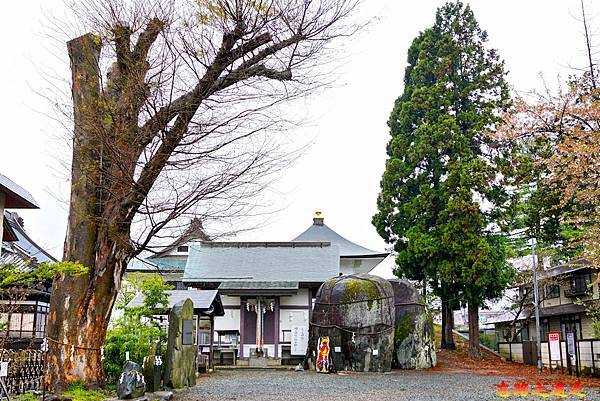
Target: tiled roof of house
{"x":319,"y":231}
{"x":565,"y":268}
{"x":262,"y":261}
{"x":16,"y":197}
{"x":24,"y":250}
{"x":203,"y":300}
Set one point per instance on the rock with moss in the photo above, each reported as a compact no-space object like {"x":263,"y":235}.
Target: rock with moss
{"x":180,"y":361}
{"x":414,"y":345}
{"x":131,"y":383}
{"x":356,"y":312}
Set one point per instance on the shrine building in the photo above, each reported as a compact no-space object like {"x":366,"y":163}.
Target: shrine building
{"x":267,"y":288}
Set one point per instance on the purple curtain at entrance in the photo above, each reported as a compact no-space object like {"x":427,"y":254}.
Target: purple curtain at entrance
{"x":249,"y":327}
{"x":269,"y":328}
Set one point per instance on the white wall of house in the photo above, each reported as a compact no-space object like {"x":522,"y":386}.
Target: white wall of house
{"x":301,"y":298}
{"x":289,"y":318}
{"x":228,"y":300}
{"x":358,"y":265}
{"x":231,"y":321}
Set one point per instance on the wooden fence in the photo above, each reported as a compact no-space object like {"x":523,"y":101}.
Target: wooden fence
{"x":25,"y":370}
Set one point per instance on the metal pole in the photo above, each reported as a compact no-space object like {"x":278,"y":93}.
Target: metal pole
{"x":538,"y":333}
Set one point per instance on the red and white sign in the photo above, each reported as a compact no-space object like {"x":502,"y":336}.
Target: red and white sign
{"x":554,"y":340}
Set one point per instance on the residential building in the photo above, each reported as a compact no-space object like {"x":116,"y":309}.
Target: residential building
{"x":23,"y":309}
{"x":567,"y":293}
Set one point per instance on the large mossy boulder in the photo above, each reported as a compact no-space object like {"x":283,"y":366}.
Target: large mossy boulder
{"x":180,"y":361}
{"x":414,"y":345}
{"x":356,"y":312}
{"x":131,"y":383}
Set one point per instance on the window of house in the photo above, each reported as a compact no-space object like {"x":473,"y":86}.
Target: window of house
{"x":581,"y":282}
{"x":182,"y":248}
{"x":204,"y":337}
{"x":15,"y":322}
{"x":522,"y":330}
{"x":572,"y":324}
{"x":545,"y":328}
{"x":552,"y":291}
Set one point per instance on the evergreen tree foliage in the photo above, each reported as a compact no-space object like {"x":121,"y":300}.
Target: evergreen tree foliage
{"x":442,"y":202}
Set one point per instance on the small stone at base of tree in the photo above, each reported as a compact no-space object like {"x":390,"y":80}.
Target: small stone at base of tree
{"x":131,"y":384}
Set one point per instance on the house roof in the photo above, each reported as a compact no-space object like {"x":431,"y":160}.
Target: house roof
{"x":23,"y":250}
{"x":164,"y":264}
{"x":261,"y":261}
{"x":569,"y":267}
{"x":548,"y":311}
{"x":16,"y":196}
{"x":195,"y":231}
{"x":319,"y":231}
{"x":203,"y":300}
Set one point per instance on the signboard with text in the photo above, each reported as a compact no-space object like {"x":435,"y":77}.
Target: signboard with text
{"x":571,"y":344}
{"x":554,"y":340}
{"x":299,"y":340}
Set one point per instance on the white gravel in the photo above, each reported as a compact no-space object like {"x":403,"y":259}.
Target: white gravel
{"x":311,"y":386}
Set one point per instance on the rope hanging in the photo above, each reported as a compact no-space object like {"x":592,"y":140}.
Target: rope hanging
{"x":355,"y":330}
{"x":74,"y":347}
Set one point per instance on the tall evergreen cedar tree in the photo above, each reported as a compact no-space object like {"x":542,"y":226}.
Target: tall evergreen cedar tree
{"x":442,"y":203}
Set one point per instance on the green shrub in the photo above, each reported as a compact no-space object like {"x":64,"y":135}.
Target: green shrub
{"x":136,"y":331}
{"x":487,"y":340}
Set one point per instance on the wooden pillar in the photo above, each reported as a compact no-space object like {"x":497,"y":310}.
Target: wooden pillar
{"x":212,"y":341}
{"x":242,"y":316}
{"x":276,"y":318}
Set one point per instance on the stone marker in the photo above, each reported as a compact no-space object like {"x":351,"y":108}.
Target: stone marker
{"x":356,"y":312}
{"x":180,"y":361}
{"x":414,"y":345}
{"x":152,"y":374}
{"x":131,"y":383}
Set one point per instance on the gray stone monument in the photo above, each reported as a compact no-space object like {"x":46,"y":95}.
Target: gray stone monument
{"x":152,"y":376}
{"x":356,"y":312}
{"x":414,"y":345}
{"x":180,"y":362}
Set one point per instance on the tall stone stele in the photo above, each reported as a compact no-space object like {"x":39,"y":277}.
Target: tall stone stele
{"x":180,"y":361}
{"x":414,"y":345}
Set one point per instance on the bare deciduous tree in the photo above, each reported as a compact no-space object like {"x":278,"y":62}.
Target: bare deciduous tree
{"x":174,"y":108}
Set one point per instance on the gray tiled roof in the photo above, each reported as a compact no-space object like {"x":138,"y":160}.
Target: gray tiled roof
{"x":264,"y":261}
{"x":569,"y":267}
{"x":24,"y":250}
{"x":16,"y":197}
{"x":202,"y":299}
{"x":319,"y":231}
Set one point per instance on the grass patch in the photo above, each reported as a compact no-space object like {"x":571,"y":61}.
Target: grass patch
{"x":26,"y":397}
{"x":77,"y":392}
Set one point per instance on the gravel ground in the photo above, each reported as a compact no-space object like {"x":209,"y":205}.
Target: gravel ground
{"x":307,"y":386}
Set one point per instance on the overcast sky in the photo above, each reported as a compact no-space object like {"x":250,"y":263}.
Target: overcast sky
{"x":340,"y":172}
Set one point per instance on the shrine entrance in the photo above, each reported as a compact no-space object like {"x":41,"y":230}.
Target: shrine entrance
{"x":260,"y":318}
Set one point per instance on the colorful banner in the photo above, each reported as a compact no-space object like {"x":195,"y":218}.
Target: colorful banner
{"x":322,"y":365}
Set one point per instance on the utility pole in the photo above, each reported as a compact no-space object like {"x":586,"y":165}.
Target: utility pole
{"x":538,"y":334}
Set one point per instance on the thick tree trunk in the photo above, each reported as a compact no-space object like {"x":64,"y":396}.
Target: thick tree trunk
{"x":474,"y":349}
{"x":447,"y":325}
{"x":80,"y":306}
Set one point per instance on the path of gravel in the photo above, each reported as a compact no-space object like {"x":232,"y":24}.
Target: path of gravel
{"x":309,"y":386}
